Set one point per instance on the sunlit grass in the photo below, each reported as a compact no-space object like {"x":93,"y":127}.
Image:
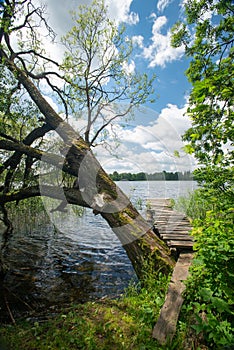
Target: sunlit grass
{"x":125,"y":323}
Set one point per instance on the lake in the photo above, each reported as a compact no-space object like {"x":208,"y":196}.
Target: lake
{"x":75,"y":258}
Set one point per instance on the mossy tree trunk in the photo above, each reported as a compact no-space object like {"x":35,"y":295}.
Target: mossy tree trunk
{"x":94,"y":188}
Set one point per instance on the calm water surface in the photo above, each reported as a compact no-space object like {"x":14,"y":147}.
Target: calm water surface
{"x":75,"y":258}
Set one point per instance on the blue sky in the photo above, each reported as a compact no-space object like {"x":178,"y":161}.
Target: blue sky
{"x":168,"y":64}
{"x":149,"y":141}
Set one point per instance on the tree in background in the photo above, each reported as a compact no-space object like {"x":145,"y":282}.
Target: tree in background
{"x":208,"y":37}
{"x":103,"y":84}
{"x":93,"y":82}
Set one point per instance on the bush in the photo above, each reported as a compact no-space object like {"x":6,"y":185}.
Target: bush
{"x":209,"y":302}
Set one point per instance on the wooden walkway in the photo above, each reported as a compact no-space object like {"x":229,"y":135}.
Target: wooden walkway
{"x":170,"y":225}
{"x":173,"y":228}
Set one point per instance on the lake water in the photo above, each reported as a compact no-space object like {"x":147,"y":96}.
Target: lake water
{"x":75,"y":258}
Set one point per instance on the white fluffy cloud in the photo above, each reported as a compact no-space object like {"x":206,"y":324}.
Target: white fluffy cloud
{"x":138,"y":40}
{"x":119,"y":11}
{"x":162,"y":4}
{"x":129,"y":68}
{"x":59,"y":18}
{"x":160,"y":51}
{"x":162,"y":134}
{"x":150,"y":148}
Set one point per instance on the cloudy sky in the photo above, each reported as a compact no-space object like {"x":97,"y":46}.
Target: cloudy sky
{"x":149,"y":141}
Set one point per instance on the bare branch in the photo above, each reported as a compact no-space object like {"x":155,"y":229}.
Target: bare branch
{"x":109,"y":122}
{"x":33,"y":52}
{"x":14,"y":160}
{"x":26,"y":19}
{"x":47,"y":157}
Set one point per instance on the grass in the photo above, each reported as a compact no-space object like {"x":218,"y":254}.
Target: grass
{"x":125,"y":323}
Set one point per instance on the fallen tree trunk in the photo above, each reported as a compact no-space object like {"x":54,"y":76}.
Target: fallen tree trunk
{"x":94,"y":188}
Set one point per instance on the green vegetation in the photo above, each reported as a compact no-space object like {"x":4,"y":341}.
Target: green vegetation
{"x":158,"y":176}
{"x":207,"y":318}
{"x":208,"y":311}
{"x":109,"y":324}
{"x":208,"y":41}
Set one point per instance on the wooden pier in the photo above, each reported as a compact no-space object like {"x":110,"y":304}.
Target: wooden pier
{"x":170,"y":225}
{"x":173,"y":228}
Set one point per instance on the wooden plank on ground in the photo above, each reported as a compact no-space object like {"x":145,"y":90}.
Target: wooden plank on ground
{"x":165,"y":327}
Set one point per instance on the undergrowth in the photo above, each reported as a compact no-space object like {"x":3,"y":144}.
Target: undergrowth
{"x":208,"y":311}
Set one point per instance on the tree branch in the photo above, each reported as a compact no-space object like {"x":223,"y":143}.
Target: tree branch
{"x":29,"y":139}
{"x":110,"y":121}
{"x":72,"y":195}
{"x":47,"y":157}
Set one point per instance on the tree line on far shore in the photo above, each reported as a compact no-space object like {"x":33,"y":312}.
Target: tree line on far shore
{"x":157,"y":176}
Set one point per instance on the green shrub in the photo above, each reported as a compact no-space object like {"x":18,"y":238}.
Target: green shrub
{"x":210,"y":294}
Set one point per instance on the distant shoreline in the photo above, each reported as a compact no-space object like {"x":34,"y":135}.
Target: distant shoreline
{"x":157,"y":176}
{"x":157,"y":180}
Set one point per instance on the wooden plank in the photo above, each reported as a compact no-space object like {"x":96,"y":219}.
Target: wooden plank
{"x":165,"y":209}
{"x":165,"y":327}
{"x":180,"y":244}
{"x":159,"y":205}
{"x":171,"y":217}
{"x":174,"y":229}
{"x":158,"y":200}
{"x":176,"y":237}
{"x":174,"y":232}
{"x":175,"y":226}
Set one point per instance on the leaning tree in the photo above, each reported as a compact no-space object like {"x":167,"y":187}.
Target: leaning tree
{"x":93,"y":79}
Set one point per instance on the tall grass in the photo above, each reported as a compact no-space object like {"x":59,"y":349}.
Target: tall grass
{"x":195,"y":205}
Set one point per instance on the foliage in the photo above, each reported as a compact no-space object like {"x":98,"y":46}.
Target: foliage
{"x":32,"y":209}
{"x":209,"y":299}
{"x":195,"y":205}
{"x":210,"y":293}
{"x":207,"y":36}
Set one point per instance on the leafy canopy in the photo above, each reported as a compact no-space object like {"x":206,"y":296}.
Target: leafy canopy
{"x":207,"y":35}
{"x":208,"y":38}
